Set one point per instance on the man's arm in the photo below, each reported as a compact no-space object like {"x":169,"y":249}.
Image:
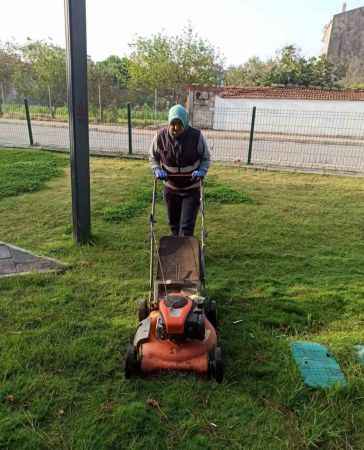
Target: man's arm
{"x":204,"y":152}
{"x":154,"y":157}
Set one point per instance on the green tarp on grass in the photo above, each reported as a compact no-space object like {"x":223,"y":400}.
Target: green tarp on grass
{"x":317,"y":366}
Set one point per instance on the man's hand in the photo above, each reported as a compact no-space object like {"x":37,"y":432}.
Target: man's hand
{"x":160,"y":174}
{"x":198,"y":174}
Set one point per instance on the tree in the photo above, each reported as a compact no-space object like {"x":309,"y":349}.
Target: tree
{"x":249,"y":74}
{"x":48,"y":62}
{"x":151,"y":63}
{"x":9,"y":62}
{"x":167,"y":63}
{"x":99,"y":86}
{"x":118,"y":70}
{"x":289,"y":67}
{"x":326,"y":74}
{"x":196,"y":60}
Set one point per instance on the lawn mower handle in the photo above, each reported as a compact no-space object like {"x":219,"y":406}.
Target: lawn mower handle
{"x":152,"y":221}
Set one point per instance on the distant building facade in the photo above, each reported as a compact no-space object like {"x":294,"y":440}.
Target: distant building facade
{"x":229,"y":108}
{"x":343,"y":42}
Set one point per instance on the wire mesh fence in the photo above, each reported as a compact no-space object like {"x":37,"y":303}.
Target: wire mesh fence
{"x":289,"y":138}
{"x":13,"y":126}
{"x":309,"y":139}
{"x":230,"y":133}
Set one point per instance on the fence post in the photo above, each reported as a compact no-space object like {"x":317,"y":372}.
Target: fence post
{"x":251,"y":138}
{"x":130,"y":130}
{"x":29,"y":123}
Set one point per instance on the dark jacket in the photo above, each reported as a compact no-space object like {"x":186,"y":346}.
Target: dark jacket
{"x":180,"y":155}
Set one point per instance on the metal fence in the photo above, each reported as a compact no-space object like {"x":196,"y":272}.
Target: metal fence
{"x":276,"y":137}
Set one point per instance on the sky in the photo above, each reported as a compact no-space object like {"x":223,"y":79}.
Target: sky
{"x":240,"y":29}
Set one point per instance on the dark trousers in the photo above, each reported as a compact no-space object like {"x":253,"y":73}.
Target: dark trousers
{"x":182,"y":207}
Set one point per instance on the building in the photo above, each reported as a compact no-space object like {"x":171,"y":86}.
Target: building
{"x":229,"y":108}
{"x":343,"y":42}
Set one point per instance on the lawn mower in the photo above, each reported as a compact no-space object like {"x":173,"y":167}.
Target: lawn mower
{"x":177,"y":323}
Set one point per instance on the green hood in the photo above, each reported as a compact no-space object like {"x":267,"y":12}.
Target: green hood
{"x":178,"y":112}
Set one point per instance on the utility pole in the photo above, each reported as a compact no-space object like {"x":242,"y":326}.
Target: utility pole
{"x":75,"y":15}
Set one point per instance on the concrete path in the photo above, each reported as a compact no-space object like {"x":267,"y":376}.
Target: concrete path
{"x":16,"y":261}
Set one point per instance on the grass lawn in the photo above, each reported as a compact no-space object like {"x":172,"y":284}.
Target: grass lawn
{"x":285,"y":257}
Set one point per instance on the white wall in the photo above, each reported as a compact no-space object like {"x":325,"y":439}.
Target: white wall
{"x":307,"y":117}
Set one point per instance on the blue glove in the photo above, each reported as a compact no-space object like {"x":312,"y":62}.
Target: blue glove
{"x":160,"y":174}
{"x":198,"y":173}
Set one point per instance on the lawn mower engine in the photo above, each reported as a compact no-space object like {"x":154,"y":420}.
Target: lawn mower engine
{"x":181,"y":318}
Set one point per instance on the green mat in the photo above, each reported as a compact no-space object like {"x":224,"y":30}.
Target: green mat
{"x":317,"y":366}
{"x":360,"y":353}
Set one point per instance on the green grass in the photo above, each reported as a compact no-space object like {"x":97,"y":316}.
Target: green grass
{"x":22,"y":172}
{"x":137,"y":200}
{"x":140,"y":116}
{"x":216,"y":192}
{"x":141,"y":197}
{"x":288,"y":261}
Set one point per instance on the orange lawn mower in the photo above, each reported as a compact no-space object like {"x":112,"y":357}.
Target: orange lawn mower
{"x":177,"y":324}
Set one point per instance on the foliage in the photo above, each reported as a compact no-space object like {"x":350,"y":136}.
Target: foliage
{"x":288,"y":68}
{"x":248,"y":74}
{"x":157,"y":72}
{"x":170,"y":63}
{"x":107,"y":83}
{"x":144,"y":116}
{"x":357,"y":86}
{"x":117,"y":68}
{"x":48,"y":63}
{"x":9,"y":64}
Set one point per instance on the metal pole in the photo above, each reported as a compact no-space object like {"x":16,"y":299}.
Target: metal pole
{"x":75,"y":15}
{"x":50,"y":102}
{"x":203,"y":230}
{"x":130,"y":130}
{"x":202,"y":209}
{"x":151,"y":225}
{"x":29,"y":123}
{"x":251,"y":138}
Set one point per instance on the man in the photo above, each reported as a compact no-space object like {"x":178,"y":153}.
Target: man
{"x":179,"y":155}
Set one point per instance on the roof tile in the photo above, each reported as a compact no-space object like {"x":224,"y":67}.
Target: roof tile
{"x":292,"y":93}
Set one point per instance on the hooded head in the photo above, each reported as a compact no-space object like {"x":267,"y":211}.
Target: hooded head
{"x":177,"y":120}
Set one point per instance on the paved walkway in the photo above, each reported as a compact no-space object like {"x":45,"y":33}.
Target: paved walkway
{"x":16,"y":261}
